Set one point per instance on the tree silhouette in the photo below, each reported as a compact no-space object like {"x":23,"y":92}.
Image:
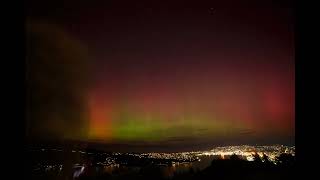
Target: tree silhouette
{"x":234,"y":157}
{"x":285,"y":159}
{"x":257,"y":158}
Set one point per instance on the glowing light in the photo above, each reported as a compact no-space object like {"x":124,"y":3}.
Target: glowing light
{"x":77,"y":173}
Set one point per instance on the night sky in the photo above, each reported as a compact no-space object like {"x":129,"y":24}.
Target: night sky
{"x":174,"y":74}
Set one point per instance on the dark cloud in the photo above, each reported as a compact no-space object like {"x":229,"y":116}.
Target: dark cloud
{"x":56,"y":79}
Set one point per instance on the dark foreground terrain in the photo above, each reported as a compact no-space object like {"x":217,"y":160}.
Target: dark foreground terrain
{"x":84,"y":167}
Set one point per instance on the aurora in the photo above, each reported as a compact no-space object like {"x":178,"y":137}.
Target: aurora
{"x":174,"y":74}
